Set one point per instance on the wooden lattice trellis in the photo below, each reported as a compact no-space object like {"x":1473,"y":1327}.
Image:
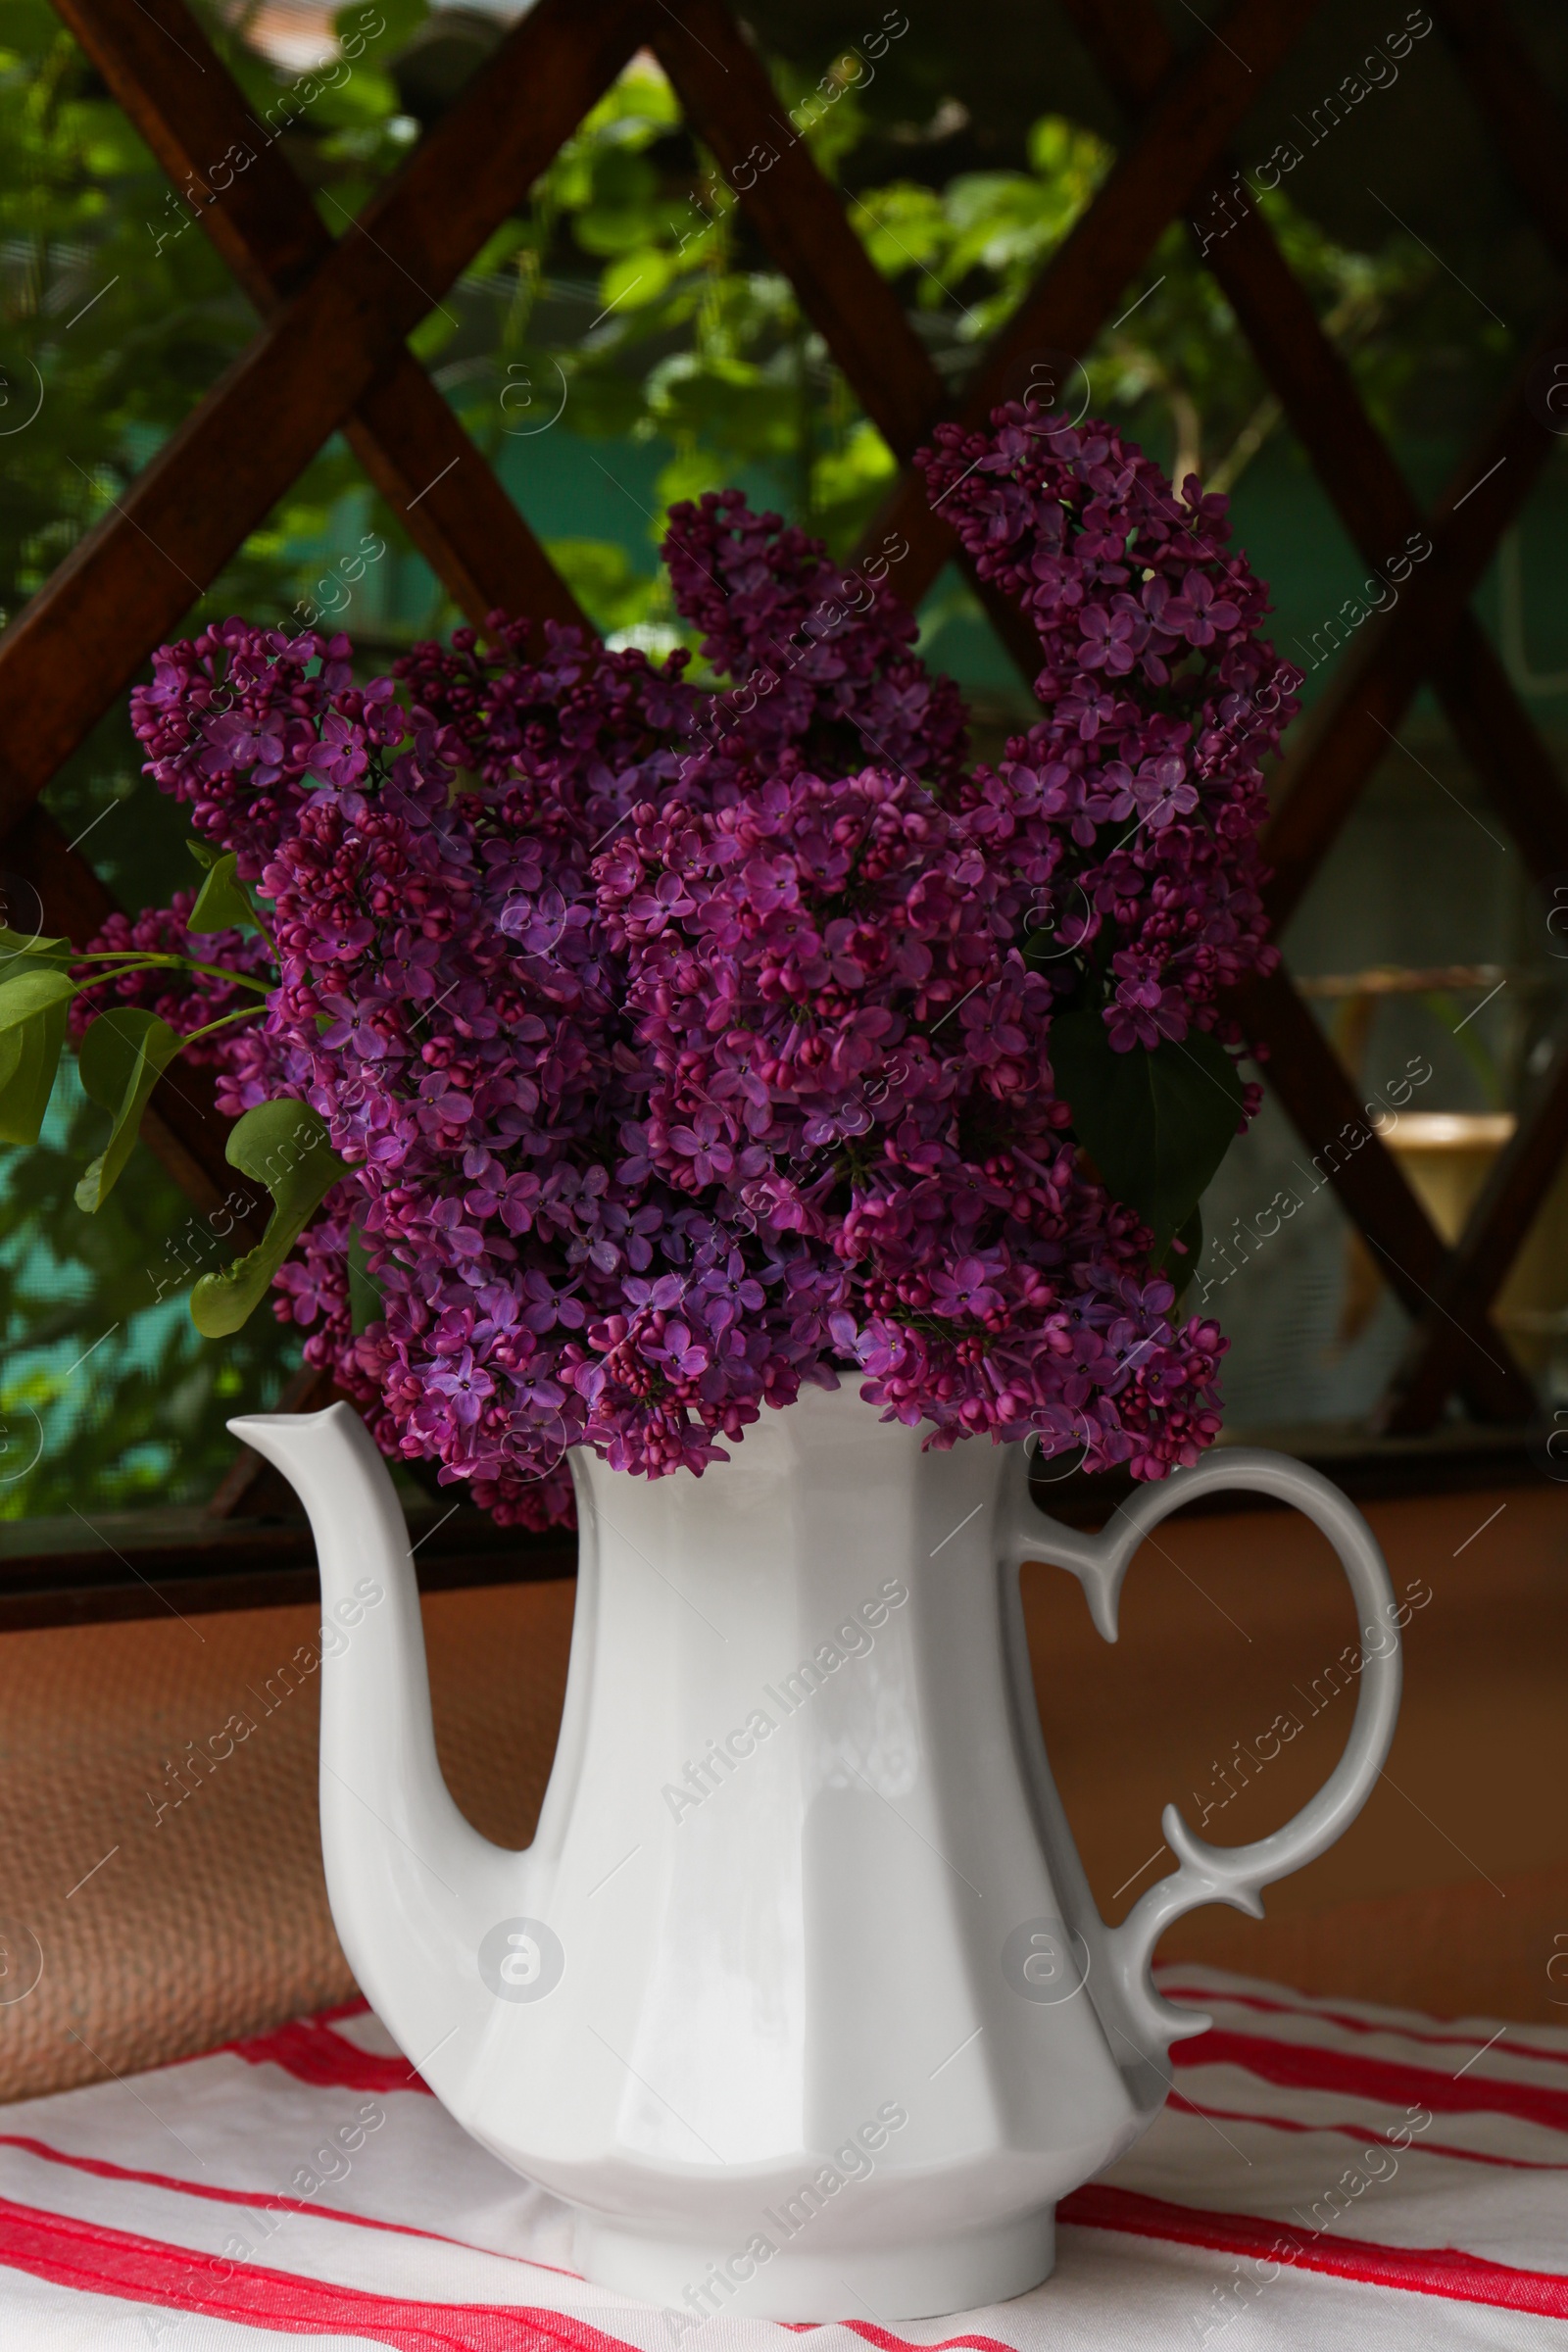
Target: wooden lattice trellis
{"x":332,"y":354}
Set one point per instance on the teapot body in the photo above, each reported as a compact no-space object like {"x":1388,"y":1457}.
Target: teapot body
{"x":821,"y":2019}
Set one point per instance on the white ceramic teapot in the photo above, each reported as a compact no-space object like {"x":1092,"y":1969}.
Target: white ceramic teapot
{"x":799,"y":1998}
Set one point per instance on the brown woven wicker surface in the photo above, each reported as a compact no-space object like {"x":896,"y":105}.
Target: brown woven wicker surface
{"x":212,"y":1920}
{"x":1450,"y":1892}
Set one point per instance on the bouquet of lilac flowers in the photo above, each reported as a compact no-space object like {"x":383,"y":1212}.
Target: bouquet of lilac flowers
{"x":621,"y":1055}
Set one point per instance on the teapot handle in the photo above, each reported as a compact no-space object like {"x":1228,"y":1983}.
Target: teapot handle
{"x":1223,"y":1874}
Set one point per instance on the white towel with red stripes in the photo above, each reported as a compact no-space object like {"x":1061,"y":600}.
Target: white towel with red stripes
{"x":1325,"y":2174}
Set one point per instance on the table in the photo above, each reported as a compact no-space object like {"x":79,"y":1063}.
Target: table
{"x":1325,"y":2174}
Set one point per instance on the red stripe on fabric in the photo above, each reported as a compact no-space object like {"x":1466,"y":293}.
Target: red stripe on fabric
{"x":261,"y":2201}
{"x":94,"y":2260}
{"x":1363,"y":2132}
{"x":886,"y":2342}
{"x":1419,"y":2270}
{"x":1307,"y":2066}
{"x":1194,"y":1996}
{"x":312,"y":2053}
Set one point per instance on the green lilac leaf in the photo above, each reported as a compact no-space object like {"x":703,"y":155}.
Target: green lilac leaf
{"x":46,"y":952}
{"x":121,"y":1060}
{"x":29,"y":1056}
{"x":1156,"y":1124}
{"x":29,"y":993}
{"x":285,"y":1147}
{"x":221,"y":903}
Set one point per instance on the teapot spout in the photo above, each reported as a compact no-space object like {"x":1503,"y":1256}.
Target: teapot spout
{"x":414,"y":1887}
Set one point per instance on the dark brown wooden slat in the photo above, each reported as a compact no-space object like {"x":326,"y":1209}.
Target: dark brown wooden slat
{"x":1314,"y":387}
{"x":1508,"y":87}
{"x":406,"y":438}
{"x":170,"y":81}
{"x":1299,"y":363}
{"x":1378,"y":509}
{"x":122,"y":587}
{"x":1307,"y":1076}
{"x":1348,"y":731}
{"x":1505,"y":747}
{"x":182,"y":1126}
{"x":1174,"y":155}
{"x":1128,"y":43}
{"x":1478,"y":1266}
{"x":729,"y":101}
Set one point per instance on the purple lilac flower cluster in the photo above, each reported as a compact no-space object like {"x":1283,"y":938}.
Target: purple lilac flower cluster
{"x":247,"y":725}
{"x":685,"y":1046}
{"x":1160,"y":699}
